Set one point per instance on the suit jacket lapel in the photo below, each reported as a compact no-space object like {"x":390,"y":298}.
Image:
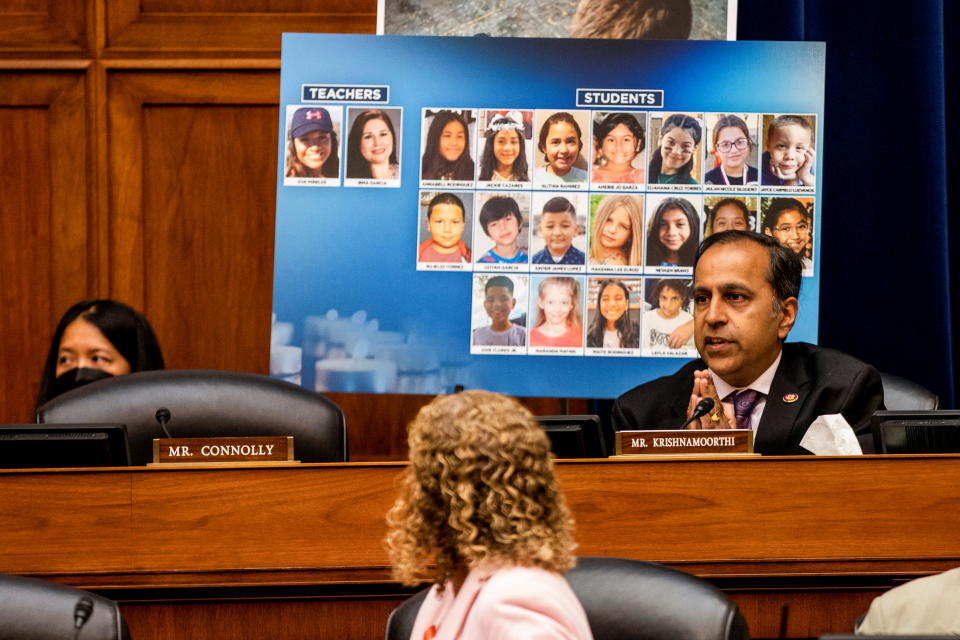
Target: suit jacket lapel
{"x":780,"y":416}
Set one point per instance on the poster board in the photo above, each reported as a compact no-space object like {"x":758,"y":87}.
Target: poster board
{"x":361,"y":305}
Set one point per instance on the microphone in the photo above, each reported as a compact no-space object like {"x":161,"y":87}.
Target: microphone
{"x":163,"y":417}
{"x":81,"y":613}
{"x":703,"y":408}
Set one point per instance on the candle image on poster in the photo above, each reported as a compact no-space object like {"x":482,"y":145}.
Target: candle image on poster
{"x":522,"y":215}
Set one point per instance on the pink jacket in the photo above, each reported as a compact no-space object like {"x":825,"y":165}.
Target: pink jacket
{"x":516,"y":603}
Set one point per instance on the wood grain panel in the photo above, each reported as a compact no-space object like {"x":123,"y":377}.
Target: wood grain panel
{"x":43,"y":28}
{"x":236,"y":518}
{"x":765,"y":508}
{"x":219,"y":27}
{"x":767,"y":516}
{"x":83,"y":523}
{"x":192,"y":164}
{"x":800,"y":544}
{"x":341,"y":618}
{"x":770,"y":614}
{"x":43,"y":223}
{"x":377,"y":423}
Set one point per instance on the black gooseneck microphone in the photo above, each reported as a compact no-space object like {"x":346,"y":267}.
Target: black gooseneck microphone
{"x":163,"y":417}
{"x":81,"y":613}
{"x":703,"y":408}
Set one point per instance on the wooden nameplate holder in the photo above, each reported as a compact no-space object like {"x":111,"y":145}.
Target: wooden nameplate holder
{"x":227,"y":451}
{"x":682,"y":442}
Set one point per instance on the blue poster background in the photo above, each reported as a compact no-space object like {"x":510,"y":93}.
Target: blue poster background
{"x":353,"y":249}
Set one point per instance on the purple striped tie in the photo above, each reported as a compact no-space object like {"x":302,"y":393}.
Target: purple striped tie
{"x":743,"y":404}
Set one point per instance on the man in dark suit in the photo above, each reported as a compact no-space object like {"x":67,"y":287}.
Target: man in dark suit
{"x":745,"y":303}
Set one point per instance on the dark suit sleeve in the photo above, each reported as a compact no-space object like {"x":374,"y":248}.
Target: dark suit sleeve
{"x":621,"y":416}
{"x":864,"y":396}
{"x":658,"y":404}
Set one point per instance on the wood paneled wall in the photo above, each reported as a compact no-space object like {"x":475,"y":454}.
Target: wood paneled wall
{"x":138,"y":162}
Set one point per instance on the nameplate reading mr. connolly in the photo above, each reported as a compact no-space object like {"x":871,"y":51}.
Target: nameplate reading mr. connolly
{"x":204,"y":450}
{"x":674,"y":442}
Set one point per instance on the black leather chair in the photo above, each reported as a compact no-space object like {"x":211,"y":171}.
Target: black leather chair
{"x":900,"y":394}
{"x":630,"y":600}
{"x":32,"y":609}
{"x":205,"y":403}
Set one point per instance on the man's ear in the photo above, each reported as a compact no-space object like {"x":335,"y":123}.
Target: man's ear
{"x":787,"y":317}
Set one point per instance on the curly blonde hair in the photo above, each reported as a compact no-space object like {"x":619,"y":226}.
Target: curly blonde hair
{"x":479,"y":486}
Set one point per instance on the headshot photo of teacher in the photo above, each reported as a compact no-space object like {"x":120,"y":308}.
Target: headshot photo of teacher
{"x":94,"y":340}
{"x":372,"y":146}
{"x":313,"y":148}
{"x":745,"y":302}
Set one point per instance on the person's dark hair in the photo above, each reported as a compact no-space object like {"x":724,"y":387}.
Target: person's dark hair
{"x":559,"y":204}
{"x":692,"y":127}
{"x":677,"y":285}
{"x":357,"y":165}
{"x":656,"y":252}
{"x":445,"y":198}
{"x":434,"y":165}
{"x":497,"y":208}
{"x":615,"y":119}
{"x":627,"y":329}
{"x":556,"y":118}
{"x":488,"y":161}
{"x":778,"y":207}
{"x":738,"y":203}
{"x":126,"y":329}
{"x":499,"y":281}
{"x":786,"y":267}
{"x":329,"y":169}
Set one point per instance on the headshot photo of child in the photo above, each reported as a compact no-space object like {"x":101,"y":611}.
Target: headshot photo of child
{"x":676,"y":159}
{"x":619,"y":141}
{"x":557,"y":310}
{"x":503,"y":223}
{"x":790,"y":221}
{"x":673,"y":231}
{"x":501,"y":322}
{"x":732,"y":152}
{"x":613,"y":318}
{"x":668,"y":327}
{"x":729,"y":212}
{"x":506,"y":146}
{"x":447,"y":153}
{"x":790,"y":153}
{"x":560,"y":143}
{"x":616,"y":238}
{"x":557,"y":228}
{"x":445,"y":228}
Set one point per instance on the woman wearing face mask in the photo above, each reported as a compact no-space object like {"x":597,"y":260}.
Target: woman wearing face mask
{"x":97,"y":339}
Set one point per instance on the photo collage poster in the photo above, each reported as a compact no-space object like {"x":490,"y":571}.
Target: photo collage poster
{"x":468,"y":212}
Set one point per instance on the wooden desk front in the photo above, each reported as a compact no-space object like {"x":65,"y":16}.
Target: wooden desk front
{"x":802,"y":544}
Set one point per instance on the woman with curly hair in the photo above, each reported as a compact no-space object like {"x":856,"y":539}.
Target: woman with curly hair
{"x":480,"y":515}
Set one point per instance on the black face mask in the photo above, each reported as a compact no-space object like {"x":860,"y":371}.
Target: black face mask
{"x":69,"y":380}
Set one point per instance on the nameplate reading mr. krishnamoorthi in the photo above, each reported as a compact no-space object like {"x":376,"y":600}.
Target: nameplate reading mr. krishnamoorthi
{"x":206,"y":450}
{"x":675,"y":442}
